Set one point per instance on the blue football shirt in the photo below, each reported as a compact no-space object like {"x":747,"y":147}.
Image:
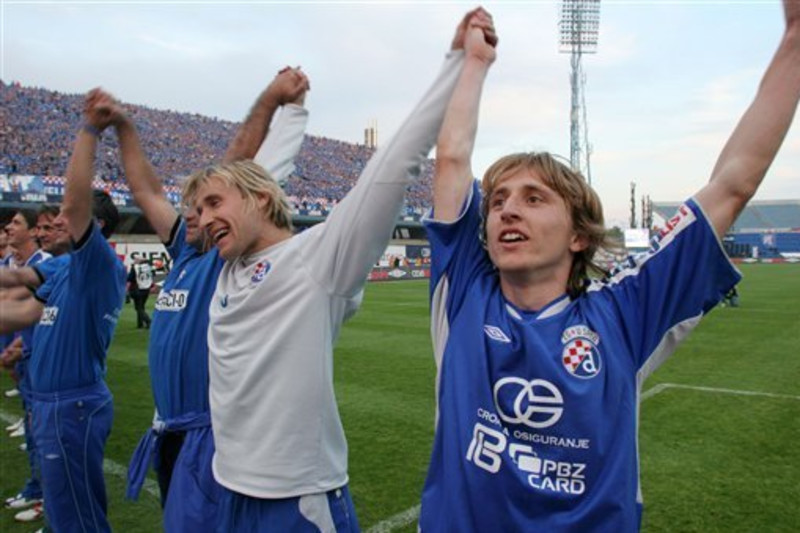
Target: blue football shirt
{"x":178,"y":335}
{"x":38,"y":257}
{"x":538,"y":411}
{"x":82,"y":305}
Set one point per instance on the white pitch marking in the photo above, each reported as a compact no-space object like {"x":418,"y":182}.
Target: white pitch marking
{"x":399,"y":520}
{"x":723,"y":391}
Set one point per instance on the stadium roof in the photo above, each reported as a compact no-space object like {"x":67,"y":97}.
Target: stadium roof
{"x":759,"y":215}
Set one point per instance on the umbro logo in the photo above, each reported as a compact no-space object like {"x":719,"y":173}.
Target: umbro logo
{"x":223,"y":300}
{"x":496,"y":333}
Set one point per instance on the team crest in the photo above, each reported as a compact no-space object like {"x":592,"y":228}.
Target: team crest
{"x":581,"y":357}
{"x":261,"y":270}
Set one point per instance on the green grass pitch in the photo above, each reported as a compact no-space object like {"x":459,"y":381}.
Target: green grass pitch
{"x":719,"y":433}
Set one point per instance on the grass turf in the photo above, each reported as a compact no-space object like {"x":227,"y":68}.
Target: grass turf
{"x":713,"y":458}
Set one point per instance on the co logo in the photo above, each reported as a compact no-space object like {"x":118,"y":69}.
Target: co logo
{"x":536,"y":403}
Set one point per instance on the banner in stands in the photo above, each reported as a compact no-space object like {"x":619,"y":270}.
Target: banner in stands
{"x":393,"y":266}
{"x":399,"y":273}
{"x":154,"y":253}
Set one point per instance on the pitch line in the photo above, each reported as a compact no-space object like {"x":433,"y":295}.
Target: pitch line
{"x":664,"y":386}
{"x":411,"y":514}
{"x":397,"y":521}
{"x":109,"y":466}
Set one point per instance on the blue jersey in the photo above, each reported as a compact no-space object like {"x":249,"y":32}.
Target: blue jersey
{"x":82,"y":305}
{"x":178,"y":346}
{"x":39,"y":256}
{"x":6,"y":339}
{"x":538,"y":411}
{"x":46,"y":269}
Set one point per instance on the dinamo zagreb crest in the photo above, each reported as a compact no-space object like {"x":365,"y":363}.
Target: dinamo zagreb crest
{"x":580,"y":356}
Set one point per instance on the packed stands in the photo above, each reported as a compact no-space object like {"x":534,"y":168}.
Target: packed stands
{"x":37,"y":128}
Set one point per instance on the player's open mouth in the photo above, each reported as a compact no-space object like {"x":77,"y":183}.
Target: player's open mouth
{"x":512,"y":236}
{"x":219,"y":235}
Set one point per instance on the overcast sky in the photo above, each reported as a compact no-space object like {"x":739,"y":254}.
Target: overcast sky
{"x":667,"y":85}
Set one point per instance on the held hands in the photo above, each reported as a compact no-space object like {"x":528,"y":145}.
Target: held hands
{"x":289,"y":86}
{"x":101,"y":110}
{"x":476,"y":35}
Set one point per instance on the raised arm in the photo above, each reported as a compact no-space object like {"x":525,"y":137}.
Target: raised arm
{"x":453,"y":175}
{"x":19,"y":277}
{"x":143,"y":182}
{"x":76,"y":206}
{"x":19,"y":314}
{"x":19,"y":292}
{"x":754,"y":143}
{"x":359,"y":227}
{"x":288,"y":87}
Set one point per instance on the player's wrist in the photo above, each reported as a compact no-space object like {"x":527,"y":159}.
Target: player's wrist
{"x":92,"y":130}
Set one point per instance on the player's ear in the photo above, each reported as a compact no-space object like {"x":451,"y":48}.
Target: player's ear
{"x":263,"y":201}
{"x":578,"y":243}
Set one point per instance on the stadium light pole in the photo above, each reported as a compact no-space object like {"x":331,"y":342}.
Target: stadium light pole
{"x":579,"y":29}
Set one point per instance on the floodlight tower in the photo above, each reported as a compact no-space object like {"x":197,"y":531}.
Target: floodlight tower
{"x":579,"y":29}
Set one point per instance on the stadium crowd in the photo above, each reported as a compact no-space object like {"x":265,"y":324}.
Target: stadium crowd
{"x":177,"y":143}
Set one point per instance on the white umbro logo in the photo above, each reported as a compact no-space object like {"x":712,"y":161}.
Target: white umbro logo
{"x":495,"y":333}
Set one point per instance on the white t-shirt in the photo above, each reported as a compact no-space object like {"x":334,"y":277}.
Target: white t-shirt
{"x":276,"y":314}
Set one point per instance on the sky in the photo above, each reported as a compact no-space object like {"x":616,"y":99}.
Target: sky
{"x":667,"y":85}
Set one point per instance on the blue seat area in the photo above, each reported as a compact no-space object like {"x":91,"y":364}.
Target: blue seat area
{"x":769,"y":225}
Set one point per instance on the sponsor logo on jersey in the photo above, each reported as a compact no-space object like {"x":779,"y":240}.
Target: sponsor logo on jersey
{"x":181,"y":275}
{"x":548,"y":475}
{"x":261,"y":270}
{"x":495,"y":333}
{"x":113,"y":316}
{"x":174,"y":300}
{"x":580,"y":356}
{"x":536,"y":403}
{"x":488,"y":447}
{"x":681,"y":219}
{"x":49,"y":315}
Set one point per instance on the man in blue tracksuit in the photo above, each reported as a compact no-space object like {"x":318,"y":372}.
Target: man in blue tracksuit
{"x":23,"y":237}
{"x":77,"y":309}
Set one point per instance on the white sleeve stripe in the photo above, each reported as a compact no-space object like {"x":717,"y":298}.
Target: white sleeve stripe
{"x":669,"y":342}
{"x":440,"y":332}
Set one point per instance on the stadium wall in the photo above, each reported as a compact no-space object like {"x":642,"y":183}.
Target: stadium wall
{"x":399,"y":261}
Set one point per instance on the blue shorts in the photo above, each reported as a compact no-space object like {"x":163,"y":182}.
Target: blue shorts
{"x":193,"y":495}
{"x":312,"y":513}
{"x":71,"y":429}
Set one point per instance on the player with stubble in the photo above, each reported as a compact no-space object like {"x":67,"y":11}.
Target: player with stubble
{"x":280,"y":302}
{"x":180,"y":444}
